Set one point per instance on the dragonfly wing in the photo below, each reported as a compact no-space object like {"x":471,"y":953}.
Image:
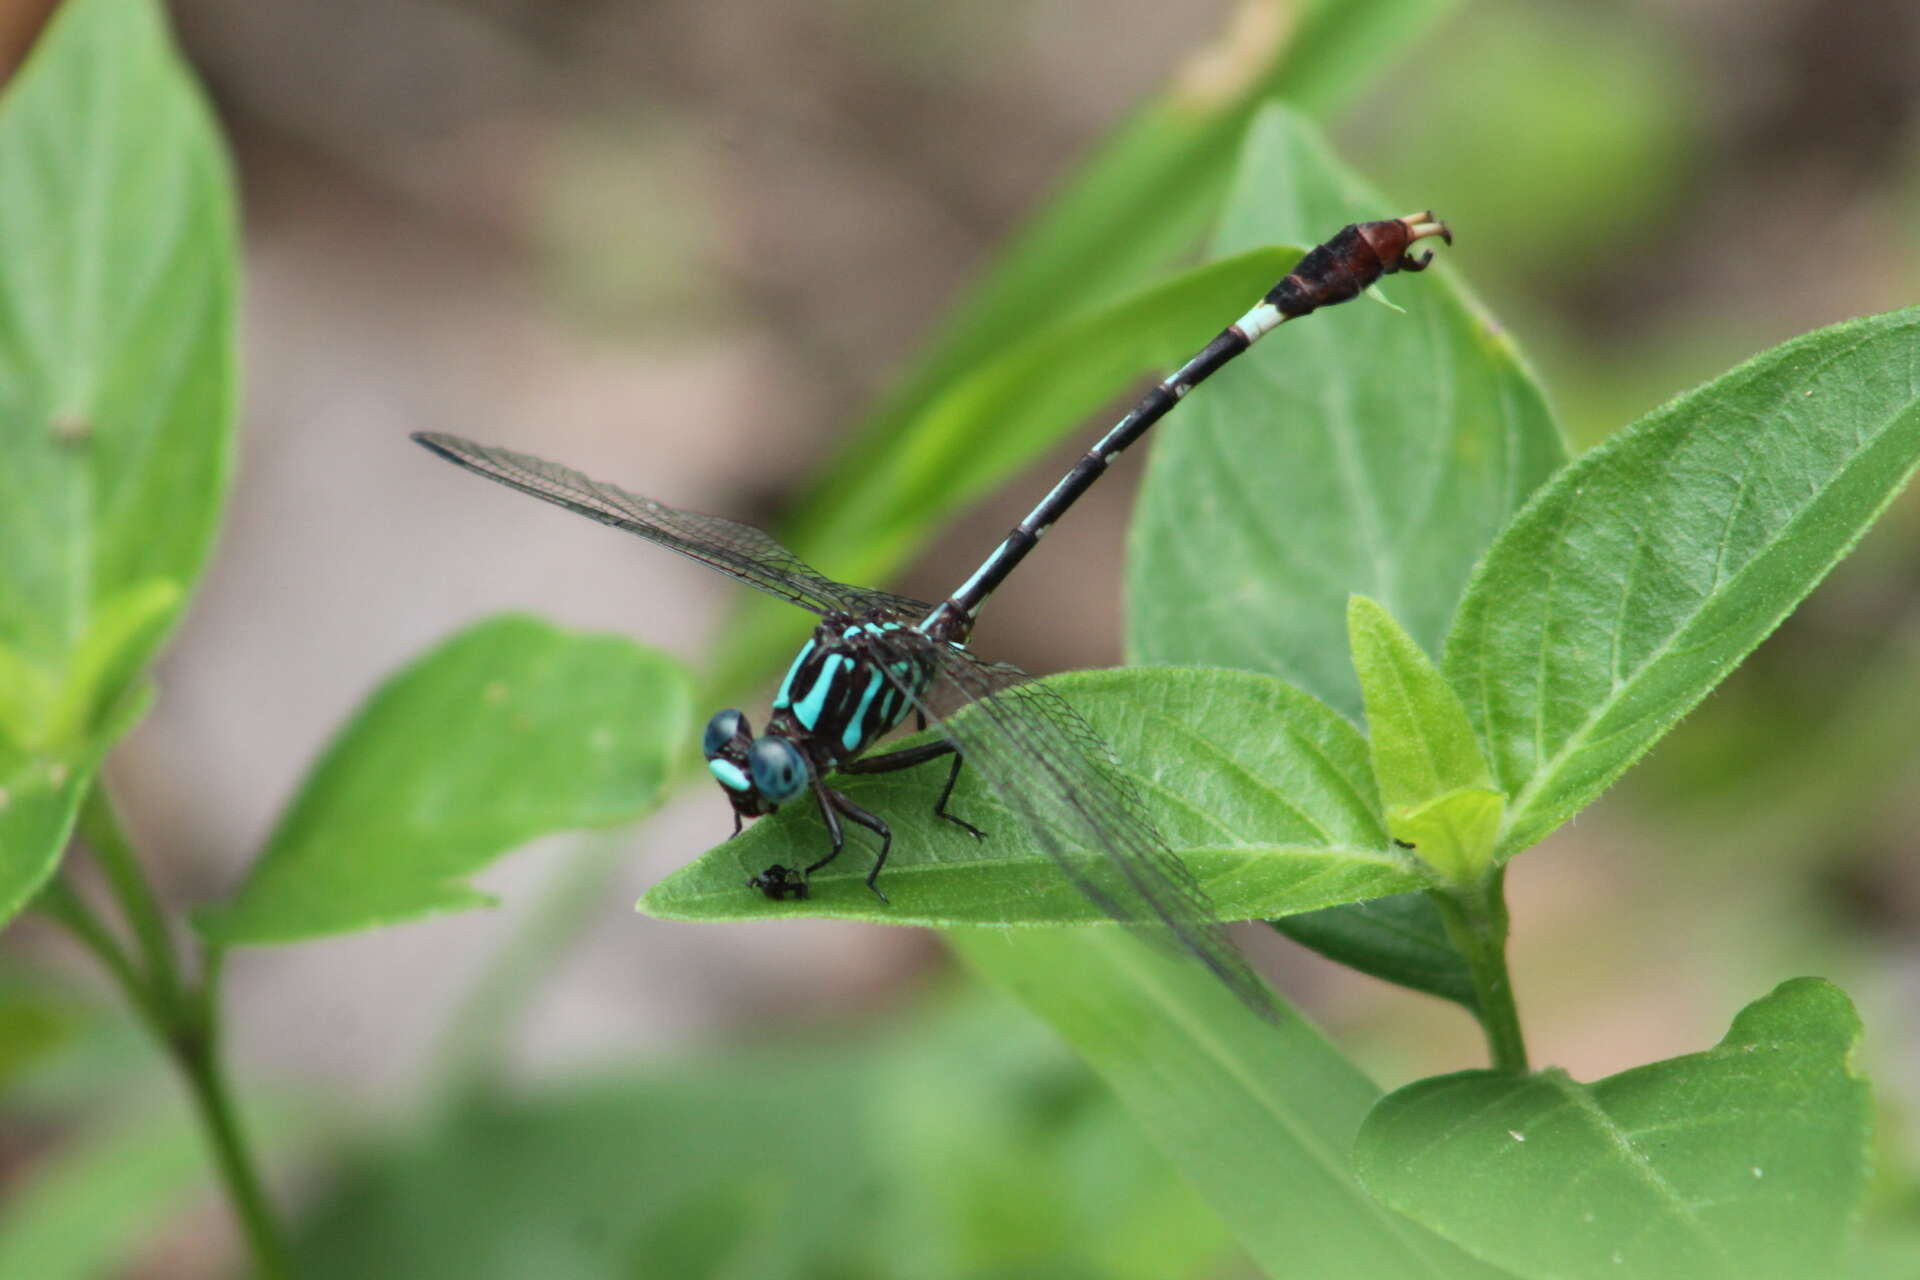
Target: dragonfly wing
{"x":1050,"y":767}
{"x":737,"y":550}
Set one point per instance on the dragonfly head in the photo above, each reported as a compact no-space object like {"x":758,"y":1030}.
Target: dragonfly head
{"x":758,"y":774}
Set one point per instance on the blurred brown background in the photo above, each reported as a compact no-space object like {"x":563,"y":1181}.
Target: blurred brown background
{"x":681,"y":245}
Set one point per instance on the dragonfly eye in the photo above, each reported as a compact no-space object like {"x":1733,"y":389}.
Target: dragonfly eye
{"x":723,"y":729}
{"x":779,"y":770}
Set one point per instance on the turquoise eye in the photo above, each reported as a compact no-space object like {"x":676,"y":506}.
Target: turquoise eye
{"x":722,"y":729}
{"x":779,"y":770}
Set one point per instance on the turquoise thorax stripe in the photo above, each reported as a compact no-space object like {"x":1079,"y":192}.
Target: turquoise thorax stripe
{"x":810,"y":707}
{"x":783,"y":699}
{"x":850,"y":737}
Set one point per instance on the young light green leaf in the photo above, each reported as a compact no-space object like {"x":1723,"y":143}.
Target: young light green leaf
{"x":510,"y":730}
{"x":1647,"y":570}
{"x":116,"y":394}
{"x":1454,"y":833}
{"x":1264,"y":793}
{"x":1355,"y":451}
{"x":1433,"y":780}
{"x":1260,"y":1117}
{"x":1744,"y":1161}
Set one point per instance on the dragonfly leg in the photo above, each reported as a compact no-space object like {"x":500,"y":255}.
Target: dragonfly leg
{"x":871,"y":822}
{"x":912,"y":756}
{"x":946,"y":792}
{"x":826,"y":797}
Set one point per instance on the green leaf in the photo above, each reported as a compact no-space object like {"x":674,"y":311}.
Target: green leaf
{"x":1264,"y":793}
{"x":1354,"y":451}
{"x":1140,"y":201}
{"x":1647,"y":570}
{"x":1744,"y":1161}
{"x":1455,"y":833}
{"x":1259,"y":1116}
{"x":119,"y":1179}
{"x":510,"y":730}
{"x":39,"y":803}
{"x":986,"y":424}
{"x":1402,"y":939}
{"x":816,"y":1155}
{"x":117,"y":299}
{"x":1030,"y":395}
{"x":1433,"y":780}
{"x":1142,"y":198}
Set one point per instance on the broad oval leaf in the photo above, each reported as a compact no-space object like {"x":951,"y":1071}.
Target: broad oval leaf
{"x":1744,"y":1161}
{"x":1356,"y":450}
{"x":117,"y":299}
{"x":1402,"y":939}
{"x":1260,"y":1116}
{"x":1647,"y":570}
{"x":510,"y":730}
{"x":1263,"y":792}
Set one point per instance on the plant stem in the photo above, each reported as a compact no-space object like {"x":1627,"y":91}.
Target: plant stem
{"x":185,"y":1022}
{"x":100,"y":828}
{"x":59,"y":901}
{"x":1476,"y":918}
{"x":198,"y":1054}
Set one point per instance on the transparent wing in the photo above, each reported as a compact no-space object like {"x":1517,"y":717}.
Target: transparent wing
{"x":737,"y":550}
{"x":1052,"y":770}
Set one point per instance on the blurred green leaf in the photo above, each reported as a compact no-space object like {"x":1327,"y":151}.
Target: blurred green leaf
{"x":806,"y":1160}
{"x":1744,"y":1161}
{"x":1284,"y":821}
{"x":1649,"y":568}
{"x":1003,"y":413}
{"x":1259,"y":1116}
{"x":35,"y":1021}
{"x":1402,"y":939}
{"x":39,"y":802}
{"x":510,"y":730}
{"x":92,"y":1205}
{"x":1497,"y":118}
{"x":117,"y":298}
{"x":1355,"y":451}
{"x":985,"y":424}
{"x":1143,"y":199}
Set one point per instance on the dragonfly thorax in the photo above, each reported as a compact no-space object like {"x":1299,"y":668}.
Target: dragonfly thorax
{"x":850,"y":685}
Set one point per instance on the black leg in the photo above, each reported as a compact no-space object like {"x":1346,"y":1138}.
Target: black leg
{"x":920,"y":721}
{"x":826,"y":797}
{"x":872,"y":823}
{"x":912,"y":756}
{"x":940,"y":806}
{"x":737,"y":824}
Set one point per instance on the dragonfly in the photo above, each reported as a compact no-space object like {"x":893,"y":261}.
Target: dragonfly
{"x":875,"y":658}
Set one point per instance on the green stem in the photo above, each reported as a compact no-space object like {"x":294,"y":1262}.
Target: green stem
{"x":185,"y":1022}
{"x":198,"y":1054}
{"x":100,"y":828}
{"x":59,"y":901}
{"x":1476,"y":918}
